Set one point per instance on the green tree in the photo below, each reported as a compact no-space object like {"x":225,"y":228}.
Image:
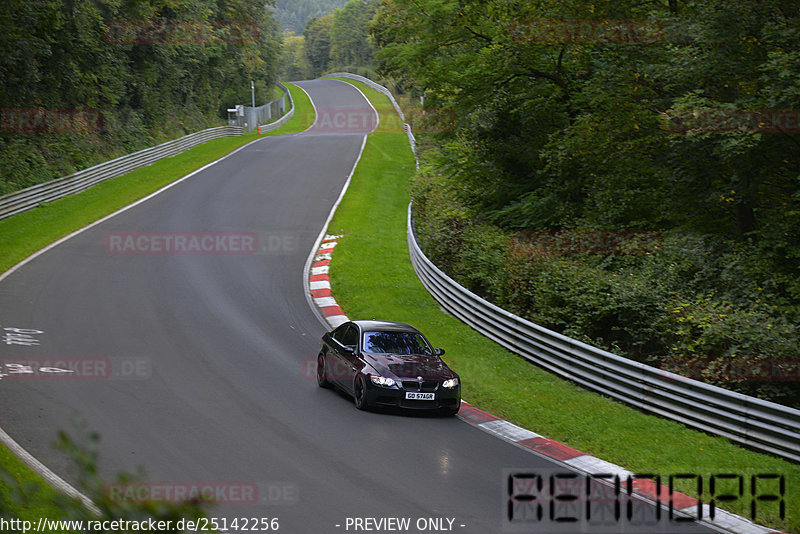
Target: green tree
{"x":583,"y":115}
{"x":294,"y":62}
{"x":318,"y":43}
{"x":155,"y":69}
{"x":350,"y":43}
{"x":294,"y":14}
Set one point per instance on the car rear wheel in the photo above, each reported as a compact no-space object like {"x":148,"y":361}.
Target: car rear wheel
{"x":322,"y":373}
{"x":360,"y":393}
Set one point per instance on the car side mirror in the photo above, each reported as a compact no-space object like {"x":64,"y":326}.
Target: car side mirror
{"x":438,"y":352}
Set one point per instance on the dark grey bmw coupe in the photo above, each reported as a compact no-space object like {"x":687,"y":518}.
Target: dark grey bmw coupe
{"x":387,"y":364}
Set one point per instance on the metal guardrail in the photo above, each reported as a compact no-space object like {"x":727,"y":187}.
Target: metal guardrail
{"x":260,"y":117}
{"x":761,"y":425}
{"x":263,"y":128}
{"x":31,"y":197}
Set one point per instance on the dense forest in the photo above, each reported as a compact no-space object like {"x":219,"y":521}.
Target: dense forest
{"x":624,"y":172}
{"x":335,"y":41}
{"x":82,"y":81}
{"x":293,"y":15}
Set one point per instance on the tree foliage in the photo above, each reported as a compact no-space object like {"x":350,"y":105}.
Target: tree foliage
{"x":340,"y":39}
{"x":617,"y":115}
{"x":318,"y":43}
{"x":154,"y":69}
{"x":294,"y":64}
{"x":294,"y":14}
{"x":350,"y":44}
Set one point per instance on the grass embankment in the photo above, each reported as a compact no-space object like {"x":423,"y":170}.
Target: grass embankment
{"x":25,"y":233}
{"x":371,"y":276}
{"x":23,"y":494}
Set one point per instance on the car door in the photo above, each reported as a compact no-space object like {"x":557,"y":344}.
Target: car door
{"x":339,"y":361}
{"x":347,"y":364}
{"x":333,"y":357}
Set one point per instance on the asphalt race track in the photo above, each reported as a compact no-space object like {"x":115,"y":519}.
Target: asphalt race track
{"x":200,"y":366}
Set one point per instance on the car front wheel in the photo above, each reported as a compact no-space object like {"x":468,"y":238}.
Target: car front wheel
{"x":360,"y":393}
{"x":322,"y":373}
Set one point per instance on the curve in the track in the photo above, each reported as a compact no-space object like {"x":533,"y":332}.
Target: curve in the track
{"x":219,"y":349}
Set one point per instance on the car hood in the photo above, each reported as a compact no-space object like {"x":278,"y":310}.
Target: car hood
{"x":405,"y":366}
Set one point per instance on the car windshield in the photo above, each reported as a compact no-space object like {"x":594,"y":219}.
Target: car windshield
{"x":396,"y":343}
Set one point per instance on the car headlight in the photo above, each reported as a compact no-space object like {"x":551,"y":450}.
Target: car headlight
{"x":382,"y":381}
{"x":450,"y":384}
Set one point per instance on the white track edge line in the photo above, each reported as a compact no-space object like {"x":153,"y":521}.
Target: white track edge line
{"x":35,"y":465}
{"x":324,"y":231}
{"x":54,"y":244}
{"x":377,"y":115}
{"x":316,"y":114}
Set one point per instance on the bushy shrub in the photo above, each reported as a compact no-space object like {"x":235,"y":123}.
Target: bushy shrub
{"x":745,"y":349}
{"x":692,"y":300}
{"x":21,"y":165}
{"x":613,"y":312}
{"x":439,"y":220}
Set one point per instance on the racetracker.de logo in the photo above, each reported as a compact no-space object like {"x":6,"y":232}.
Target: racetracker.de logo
{"x":360,"y":120}
{"x":181,"y":243}
{"x":733,"y":369}
{"x":55,"y":368}
{"x":182,"y":492}
{"x":564,"y":242}
{"x":345,"y":120}
{"x":181,"y":32}
{"x":337,"y":370}
{"x":553,"y":31}
{"x":43,"y":120}
{"x":731,"y":121}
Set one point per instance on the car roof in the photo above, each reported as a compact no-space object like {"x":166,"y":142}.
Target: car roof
{"x":384,"y":326}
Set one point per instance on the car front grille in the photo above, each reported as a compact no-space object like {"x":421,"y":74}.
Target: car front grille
{"x":427,"y":386}
{"x":418,"y":405}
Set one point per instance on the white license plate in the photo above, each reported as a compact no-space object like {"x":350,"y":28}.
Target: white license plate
{"x":410,"y":395}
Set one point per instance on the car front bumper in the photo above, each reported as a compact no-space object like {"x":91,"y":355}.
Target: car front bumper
{"x":396,"y":397}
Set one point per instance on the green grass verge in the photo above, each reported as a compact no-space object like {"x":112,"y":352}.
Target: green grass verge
{"x":23,"y":234}
{"x":371,"y":276}
{"x":17,"y":503}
